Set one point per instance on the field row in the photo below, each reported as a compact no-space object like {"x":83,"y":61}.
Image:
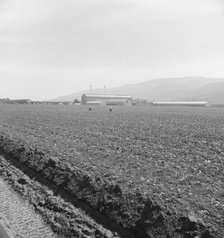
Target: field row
{"x":172,"y":156}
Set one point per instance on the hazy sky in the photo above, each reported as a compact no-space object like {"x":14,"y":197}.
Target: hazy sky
{"x":50,"y":48}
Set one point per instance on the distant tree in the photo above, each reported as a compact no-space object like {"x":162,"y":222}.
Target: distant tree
{"x":76,"y":101}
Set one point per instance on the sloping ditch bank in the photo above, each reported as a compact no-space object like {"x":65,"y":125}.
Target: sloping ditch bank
{"x":137,"y":214}
{"x":22,"y":198}
{"x":18,"y":218}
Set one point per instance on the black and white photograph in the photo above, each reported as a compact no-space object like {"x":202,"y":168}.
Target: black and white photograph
{"x":111,"y":118}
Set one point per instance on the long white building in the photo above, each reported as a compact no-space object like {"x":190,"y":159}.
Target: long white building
{"x":196,"y":103}
{"x":105,"y":99}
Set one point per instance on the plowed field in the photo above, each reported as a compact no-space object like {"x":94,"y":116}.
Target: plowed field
{"x":154,"y":171}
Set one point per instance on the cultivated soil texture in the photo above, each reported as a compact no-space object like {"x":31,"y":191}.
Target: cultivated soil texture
{"x":136,"y":171}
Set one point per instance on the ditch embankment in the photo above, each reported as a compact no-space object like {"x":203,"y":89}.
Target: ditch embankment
{"x":18,"y":218}
{"x":56,"y":189}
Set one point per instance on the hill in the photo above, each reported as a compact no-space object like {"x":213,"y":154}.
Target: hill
{"x":167,"y":89}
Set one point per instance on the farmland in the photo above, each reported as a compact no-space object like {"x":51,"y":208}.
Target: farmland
{"x":154,"y":171}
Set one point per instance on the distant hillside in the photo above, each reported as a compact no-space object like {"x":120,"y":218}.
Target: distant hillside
{"x":167,"y":89}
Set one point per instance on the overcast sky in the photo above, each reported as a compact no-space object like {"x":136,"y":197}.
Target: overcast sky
{"x":50,"y":48}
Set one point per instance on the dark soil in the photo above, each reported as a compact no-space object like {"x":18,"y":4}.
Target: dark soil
{"x":155,"y":173}
{"x":65,"y":219}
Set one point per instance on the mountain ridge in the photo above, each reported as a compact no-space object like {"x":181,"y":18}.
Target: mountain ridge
{"x":190,"y":88}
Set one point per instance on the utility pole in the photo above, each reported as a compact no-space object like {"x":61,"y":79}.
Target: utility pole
{"x":90,"y":89}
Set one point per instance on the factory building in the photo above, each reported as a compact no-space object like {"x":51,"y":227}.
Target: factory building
{"x":104,"y":99}
{"x":202,"y":104}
